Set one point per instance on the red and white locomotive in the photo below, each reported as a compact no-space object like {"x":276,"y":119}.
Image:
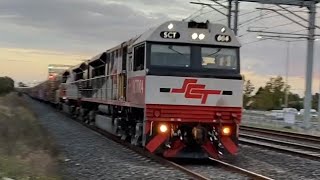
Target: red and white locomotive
{"x":175,"y":90}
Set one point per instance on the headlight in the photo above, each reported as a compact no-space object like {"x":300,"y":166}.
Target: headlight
{"x":163,"y":128}
{"x":226,"y":131}
{"x":194,"y":36}
{"x":201,"y":36}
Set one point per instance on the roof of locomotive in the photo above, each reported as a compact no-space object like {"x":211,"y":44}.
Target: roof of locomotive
{"x":185,"y":34}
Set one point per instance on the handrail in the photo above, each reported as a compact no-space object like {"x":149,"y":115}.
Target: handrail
{"x":94,"y":78}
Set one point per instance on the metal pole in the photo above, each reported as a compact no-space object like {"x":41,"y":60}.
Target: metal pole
{"x":319,"y":107}
{"x":307,"y":98}
{"x":236,"y":11}
{"x":287,"y":72}
{"x":229,"y":13}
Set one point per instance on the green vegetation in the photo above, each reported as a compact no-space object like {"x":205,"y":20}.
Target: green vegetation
{"x":26,"y":150}
{"x":271,"y":96}
{"x":247,"y":91}
{"x":21,"y":84}
{"x":6,"y":85}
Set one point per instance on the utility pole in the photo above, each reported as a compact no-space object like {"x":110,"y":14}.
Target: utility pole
{"x":229,"y":13}
{"x":319,"y":107}
{"x":287,"y":72}
{"x":236,"y":12}
{"x":309,"y":70}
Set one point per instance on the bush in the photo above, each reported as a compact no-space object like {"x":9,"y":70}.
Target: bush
{"x":26,"y":149}
{"x":6,"y":85}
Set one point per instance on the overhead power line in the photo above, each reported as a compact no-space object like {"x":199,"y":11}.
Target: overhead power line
{"x":281,"y":33}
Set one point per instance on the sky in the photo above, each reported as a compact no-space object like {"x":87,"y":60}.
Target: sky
{"x":36,"y":33}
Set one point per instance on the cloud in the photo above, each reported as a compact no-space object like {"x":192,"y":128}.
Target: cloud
{"x":32,"y":64}
{"x":88,"y":22}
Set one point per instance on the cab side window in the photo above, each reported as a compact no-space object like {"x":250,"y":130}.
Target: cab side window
{"x":138,"y":62}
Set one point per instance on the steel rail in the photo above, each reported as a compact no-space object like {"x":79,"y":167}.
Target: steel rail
{"x":278,"y":148}
{"x":294,"y":148}
{"x":280,"y":142}
{"x":241,"y":170}
{"x":292,"y":135}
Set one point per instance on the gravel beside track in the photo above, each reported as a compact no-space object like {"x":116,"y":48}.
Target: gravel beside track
{"x":88,"y":155}
{"x":276,"y":165}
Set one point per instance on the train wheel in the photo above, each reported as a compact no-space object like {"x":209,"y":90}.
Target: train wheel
{"x":76,"y":113}
{"x":137,"y":136}
{"x":91,"y":117}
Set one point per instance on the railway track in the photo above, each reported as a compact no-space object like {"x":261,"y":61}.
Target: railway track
{"x":250,"y":174}
{"x":246,"y":174}
{"x":303,"y":145}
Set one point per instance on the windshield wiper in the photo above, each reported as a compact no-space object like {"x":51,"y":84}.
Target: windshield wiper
{"x":215,"y":52}
{"x":170,"y":47}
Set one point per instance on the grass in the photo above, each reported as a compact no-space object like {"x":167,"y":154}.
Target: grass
{"x":26,"y":149}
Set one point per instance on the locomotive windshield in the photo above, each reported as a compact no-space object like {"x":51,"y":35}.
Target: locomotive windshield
{"x":193,"y":57}
{"x":170,"y":55}
{"x":221,"y":58}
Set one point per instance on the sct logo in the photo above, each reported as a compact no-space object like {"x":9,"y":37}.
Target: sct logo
{"x":192,"y":90}
{"x":170,"y":35}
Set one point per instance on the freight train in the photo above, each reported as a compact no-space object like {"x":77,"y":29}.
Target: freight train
{"x":175,"y":90}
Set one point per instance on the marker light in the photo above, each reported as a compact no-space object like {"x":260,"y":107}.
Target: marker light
{"x":163,"y":128}
{"x":226,"y":131}
{"x":194,"y":36}
{"x":223,"y":30}
{"x":201,"y":36}
{"x":170,"y":26}
{"x":157,"y":113}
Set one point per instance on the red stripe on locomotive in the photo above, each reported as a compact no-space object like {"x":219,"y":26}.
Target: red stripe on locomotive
{"x":192,"y":113}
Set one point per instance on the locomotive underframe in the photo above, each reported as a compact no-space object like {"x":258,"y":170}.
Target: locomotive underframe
{"x":183,"y":140}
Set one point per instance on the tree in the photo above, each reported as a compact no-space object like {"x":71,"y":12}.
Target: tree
{"x":21,"y":84}
{"x":271,"y":96}
{"x":294,"y":100}
{"x":315,"y":99}
{"x":6,"y":85}
{"x":248,"y":89}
